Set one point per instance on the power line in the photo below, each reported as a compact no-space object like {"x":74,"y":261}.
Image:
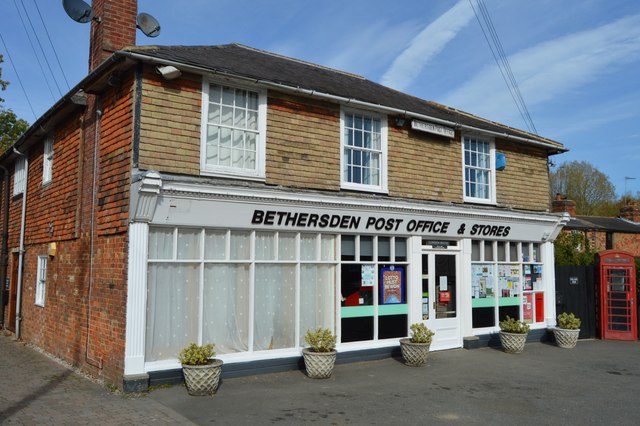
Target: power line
{"x":46,"y":60}
{"x":6,"y":49}
{"x":52,"y":46}
{"x":44,"y":75}
{"x":503,"y":63}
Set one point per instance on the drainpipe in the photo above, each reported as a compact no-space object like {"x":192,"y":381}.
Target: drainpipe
{"x":96,"y":145}
{"x":4,"y":257}
{"x":21,"y":255}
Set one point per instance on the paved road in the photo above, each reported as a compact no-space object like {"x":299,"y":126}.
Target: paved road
{"x":34,"y":390}
{"x":597,"y":383}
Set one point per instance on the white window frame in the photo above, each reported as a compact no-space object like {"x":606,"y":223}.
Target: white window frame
{"x":492,"y":170}
{"x":261,"y":150}
{"x":19,"y":175}
{"x":382,"y":188}
{"x":41,"y":280}
{"x":47,"y":160}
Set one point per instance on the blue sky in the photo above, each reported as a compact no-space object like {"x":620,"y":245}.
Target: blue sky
{"x":577,"y":62}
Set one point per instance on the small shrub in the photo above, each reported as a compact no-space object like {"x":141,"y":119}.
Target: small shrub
{"x":197,"y":355}
{"x":420,"y":333}
{"x":320,"y":340}
{"x":568,"y":321}
{"x":511,"y":325}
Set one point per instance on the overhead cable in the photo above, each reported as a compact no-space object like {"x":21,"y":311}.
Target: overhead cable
{"x":6,"y":49}
{"x":52,"y":46}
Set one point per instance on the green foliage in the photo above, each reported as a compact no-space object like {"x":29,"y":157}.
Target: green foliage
{"x":573,"y":249}
{"x":420,"y":333}
{"x":511,"y":325}
{"x":581,"y":182}
{"x":568,"y":321}
{"x":196,"y":354}
{"x":320,"y":340}
{"x":3,"y":83}
{"x":11,"y":128}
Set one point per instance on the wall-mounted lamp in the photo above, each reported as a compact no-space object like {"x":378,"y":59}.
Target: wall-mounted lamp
{"x":168,"y":72}
{"x":400,"y":121}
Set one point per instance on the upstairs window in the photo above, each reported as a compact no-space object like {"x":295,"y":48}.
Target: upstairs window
{"x":19,"y":176}
{"x":479,"y":170}
{"x":47,"y":161}
{"x":364,"y":151}
{"x":233,"y":131}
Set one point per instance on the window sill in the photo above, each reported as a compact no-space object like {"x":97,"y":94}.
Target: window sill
{"x":364,"y":188}
{"x":231,"y":175}
{"x":480,"y":201}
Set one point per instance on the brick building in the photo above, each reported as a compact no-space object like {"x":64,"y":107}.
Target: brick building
{"x":604,"y":233}
{"x":230,"y":195}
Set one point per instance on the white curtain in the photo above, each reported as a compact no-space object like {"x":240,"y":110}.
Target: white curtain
{"x":274,"y":307}
{"x":226,"y":307}
{"x":172,"y":309}
{"x":317,"y":289}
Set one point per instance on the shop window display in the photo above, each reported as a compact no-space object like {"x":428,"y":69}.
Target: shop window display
{"x":505,"y":283}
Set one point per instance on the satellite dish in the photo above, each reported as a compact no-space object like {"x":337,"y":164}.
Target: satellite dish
{"x":78,"y":10}
{"x":147,"y":24}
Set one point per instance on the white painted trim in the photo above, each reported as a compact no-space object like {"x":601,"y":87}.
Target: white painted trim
{"x":549,"y":278}
{"x":136,"y":299}
{"x":197,"y":190}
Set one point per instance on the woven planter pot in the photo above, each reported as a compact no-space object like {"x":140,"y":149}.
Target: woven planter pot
{"x":319,"y":365}
{"x":414,"y":354}
{"x":202,"y":379}
{"x":513,"y":343}
{"x":566,"y":338}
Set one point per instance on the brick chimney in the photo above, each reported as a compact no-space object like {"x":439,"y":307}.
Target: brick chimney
{"x":631,"y":212}
{"x":116,"y":29}
{"x":561,"y":204}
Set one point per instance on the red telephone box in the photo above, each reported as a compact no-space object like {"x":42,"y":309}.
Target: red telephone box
{"x":618,"y":312}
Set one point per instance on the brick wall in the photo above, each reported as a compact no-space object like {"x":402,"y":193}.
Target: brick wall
{"x":83,"y":320}
{"x":303,"y":143}
{"x":424,"y":167}
{"x":170,"y":124}
{"x":524,"y":183}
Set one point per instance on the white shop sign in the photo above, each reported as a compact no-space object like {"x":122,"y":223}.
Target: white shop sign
{"x":274,"y":216}
{"x":434,"y":128}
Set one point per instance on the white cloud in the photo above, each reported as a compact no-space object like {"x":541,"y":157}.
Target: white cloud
{"x":429,"y":42}
{"x":550,"y":69}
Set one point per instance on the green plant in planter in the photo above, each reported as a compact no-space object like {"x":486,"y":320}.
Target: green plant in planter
{"x":511,"y":325}
{"x":568,"y":321}
{"x":420,"y":333}
{"x":320,"y":340}
{"x":195,"y":354}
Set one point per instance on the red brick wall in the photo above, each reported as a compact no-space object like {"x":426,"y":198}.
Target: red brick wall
{"x":83,"y":320}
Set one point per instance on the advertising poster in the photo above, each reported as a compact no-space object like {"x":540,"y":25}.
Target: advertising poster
{"x":392,"y":285}
{"x":368,"y":275}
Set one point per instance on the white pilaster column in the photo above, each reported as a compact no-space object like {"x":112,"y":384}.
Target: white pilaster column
{"x":136,"y":299}
{"x":549,"y":274}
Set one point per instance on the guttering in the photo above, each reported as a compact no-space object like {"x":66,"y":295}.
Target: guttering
{"x":340,"y":99}
{"x":21,"y":253}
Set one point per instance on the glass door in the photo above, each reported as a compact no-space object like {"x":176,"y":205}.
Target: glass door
{"x":440,"y":298}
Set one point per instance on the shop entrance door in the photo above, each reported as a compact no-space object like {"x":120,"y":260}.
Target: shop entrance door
{"x":440,"y":304}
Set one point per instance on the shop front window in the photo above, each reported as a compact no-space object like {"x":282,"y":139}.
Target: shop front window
{"x":244,"y":291}
{"x":373,"y":288}
{"x":506,"y":283}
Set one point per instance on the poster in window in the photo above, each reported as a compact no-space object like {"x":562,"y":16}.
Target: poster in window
{"x":368,"y":275}
{"x":392,"y":285}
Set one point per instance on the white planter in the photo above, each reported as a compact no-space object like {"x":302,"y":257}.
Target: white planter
{"x":513,"y":343}
{"x":566,"y":338}
{"x":414,"y":354}
{"x":202,"y":379}
{"x":319,"y":365}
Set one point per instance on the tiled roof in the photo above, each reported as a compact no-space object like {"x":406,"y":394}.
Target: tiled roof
{"x":598,"y":223}
{"x":243,"y":61}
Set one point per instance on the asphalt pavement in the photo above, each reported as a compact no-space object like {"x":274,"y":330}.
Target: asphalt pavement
{"x":597,"y":383}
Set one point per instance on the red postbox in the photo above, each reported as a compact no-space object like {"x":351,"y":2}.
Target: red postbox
{"x":617,"y":293}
